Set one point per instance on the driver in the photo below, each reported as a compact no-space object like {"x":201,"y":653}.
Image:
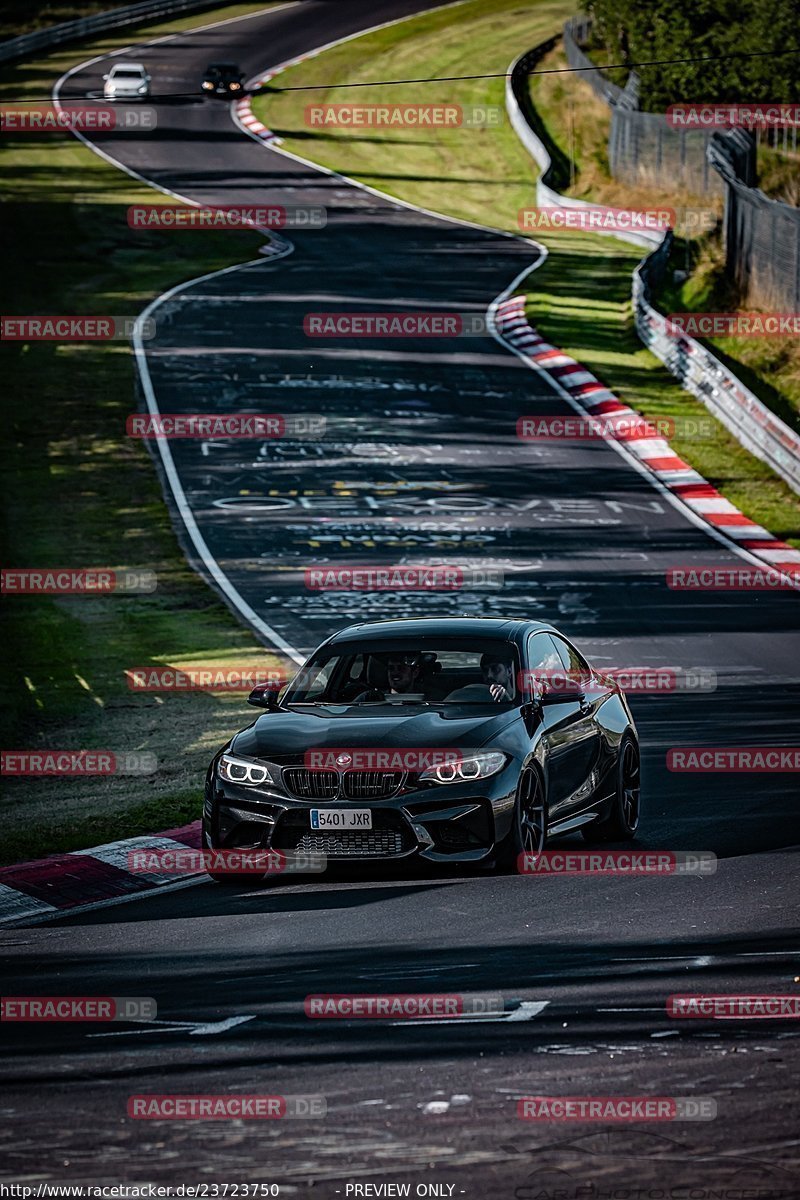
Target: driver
{"x":403,"y":671}
{"x":498,"y":675}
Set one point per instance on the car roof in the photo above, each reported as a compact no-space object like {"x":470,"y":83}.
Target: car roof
{"x":128,"y":66}
{"x":501,"y":628}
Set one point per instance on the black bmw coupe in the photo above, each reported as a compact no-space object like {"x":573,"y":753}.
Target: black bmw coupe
{"x":456,"y":739}
{"x":222,"y":79}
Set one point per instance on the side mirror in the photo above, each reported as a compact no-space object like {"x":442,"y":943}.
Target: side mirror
{"x":264,"y":695}
{"x":106,"y":77}
{"x":556,"y":687}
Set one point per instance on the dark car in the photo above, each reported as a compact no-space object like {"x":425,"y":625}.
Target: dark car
{"x":222,"y":79}
{"x":455,"y":739}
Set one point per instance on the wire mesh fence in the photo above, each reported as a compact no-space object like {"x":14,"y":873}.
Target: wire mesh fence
{"x":643,"y":147}
{"x":762,"y":236}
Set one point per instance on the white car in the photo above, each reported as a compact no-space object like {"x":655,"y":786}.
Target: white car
{"x":126,"y":81}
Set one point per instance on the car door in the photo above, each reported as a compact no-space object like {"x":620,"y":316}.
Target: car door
{"x":568,"y":729}
{"x":573,"y":729}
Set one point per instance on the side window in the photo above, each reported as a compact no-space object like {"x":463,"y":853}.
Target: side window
{"x":577,"y":666}
{"x":542,"y":654}
{"x":356,"y":669}
{"x":316,"y":680}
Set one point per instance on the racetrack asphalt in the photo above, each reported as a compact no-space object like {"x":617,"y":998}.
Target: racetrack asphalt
{"x":421,"y":462}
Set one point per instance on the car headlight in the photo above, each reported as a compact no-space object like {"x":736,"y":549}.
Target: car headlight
{"x":243,"y":770}
{"x":143,"y":89}
{"x":208,"y":86}
{"x":478,"y":766}
{"x":235,"y":87}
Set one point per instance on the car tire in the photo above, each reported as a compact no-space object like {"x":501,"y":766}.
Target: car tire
{"x":528,"y":833}
{"x":622,"y":822}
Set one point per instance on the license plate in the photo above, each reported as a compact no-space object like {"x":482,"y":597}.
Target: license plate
{"x":341,"y":818}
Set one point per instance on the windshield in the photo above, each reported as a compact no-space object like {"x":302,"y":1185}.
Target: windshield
{"x":444,"y":672}
{"x":133,"y":72}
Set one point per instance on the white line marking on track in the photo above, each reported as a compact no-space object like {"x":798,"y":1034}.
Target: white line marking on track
{"x":193,"y":1028}
{"x":211,"y":565}
{"x":641,"y":1008}
{"x":18,"y":906}
{"x":526,"y":1011}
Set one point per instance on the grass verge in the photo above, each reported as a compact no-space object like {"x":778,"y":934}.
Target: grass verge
{"x":477,"y":173}
{"x":580,"y":297}
{"x":24,"y":16}
{"x":77,"y":493}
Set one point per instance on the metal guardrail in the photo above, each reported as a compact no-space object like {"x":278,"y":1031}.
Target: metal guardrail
{"x":70,"y":31}
{"x":695,"y":367}
{"x":517,"y":106}
{"x":700,"y":372}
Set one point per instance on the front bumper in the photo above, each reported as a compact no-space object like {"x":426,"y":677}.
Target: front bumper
{"x":441,"y":823}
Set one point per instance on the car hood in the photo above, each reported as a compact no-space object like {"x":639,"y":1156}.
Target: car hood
{"x":282,"y":735}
